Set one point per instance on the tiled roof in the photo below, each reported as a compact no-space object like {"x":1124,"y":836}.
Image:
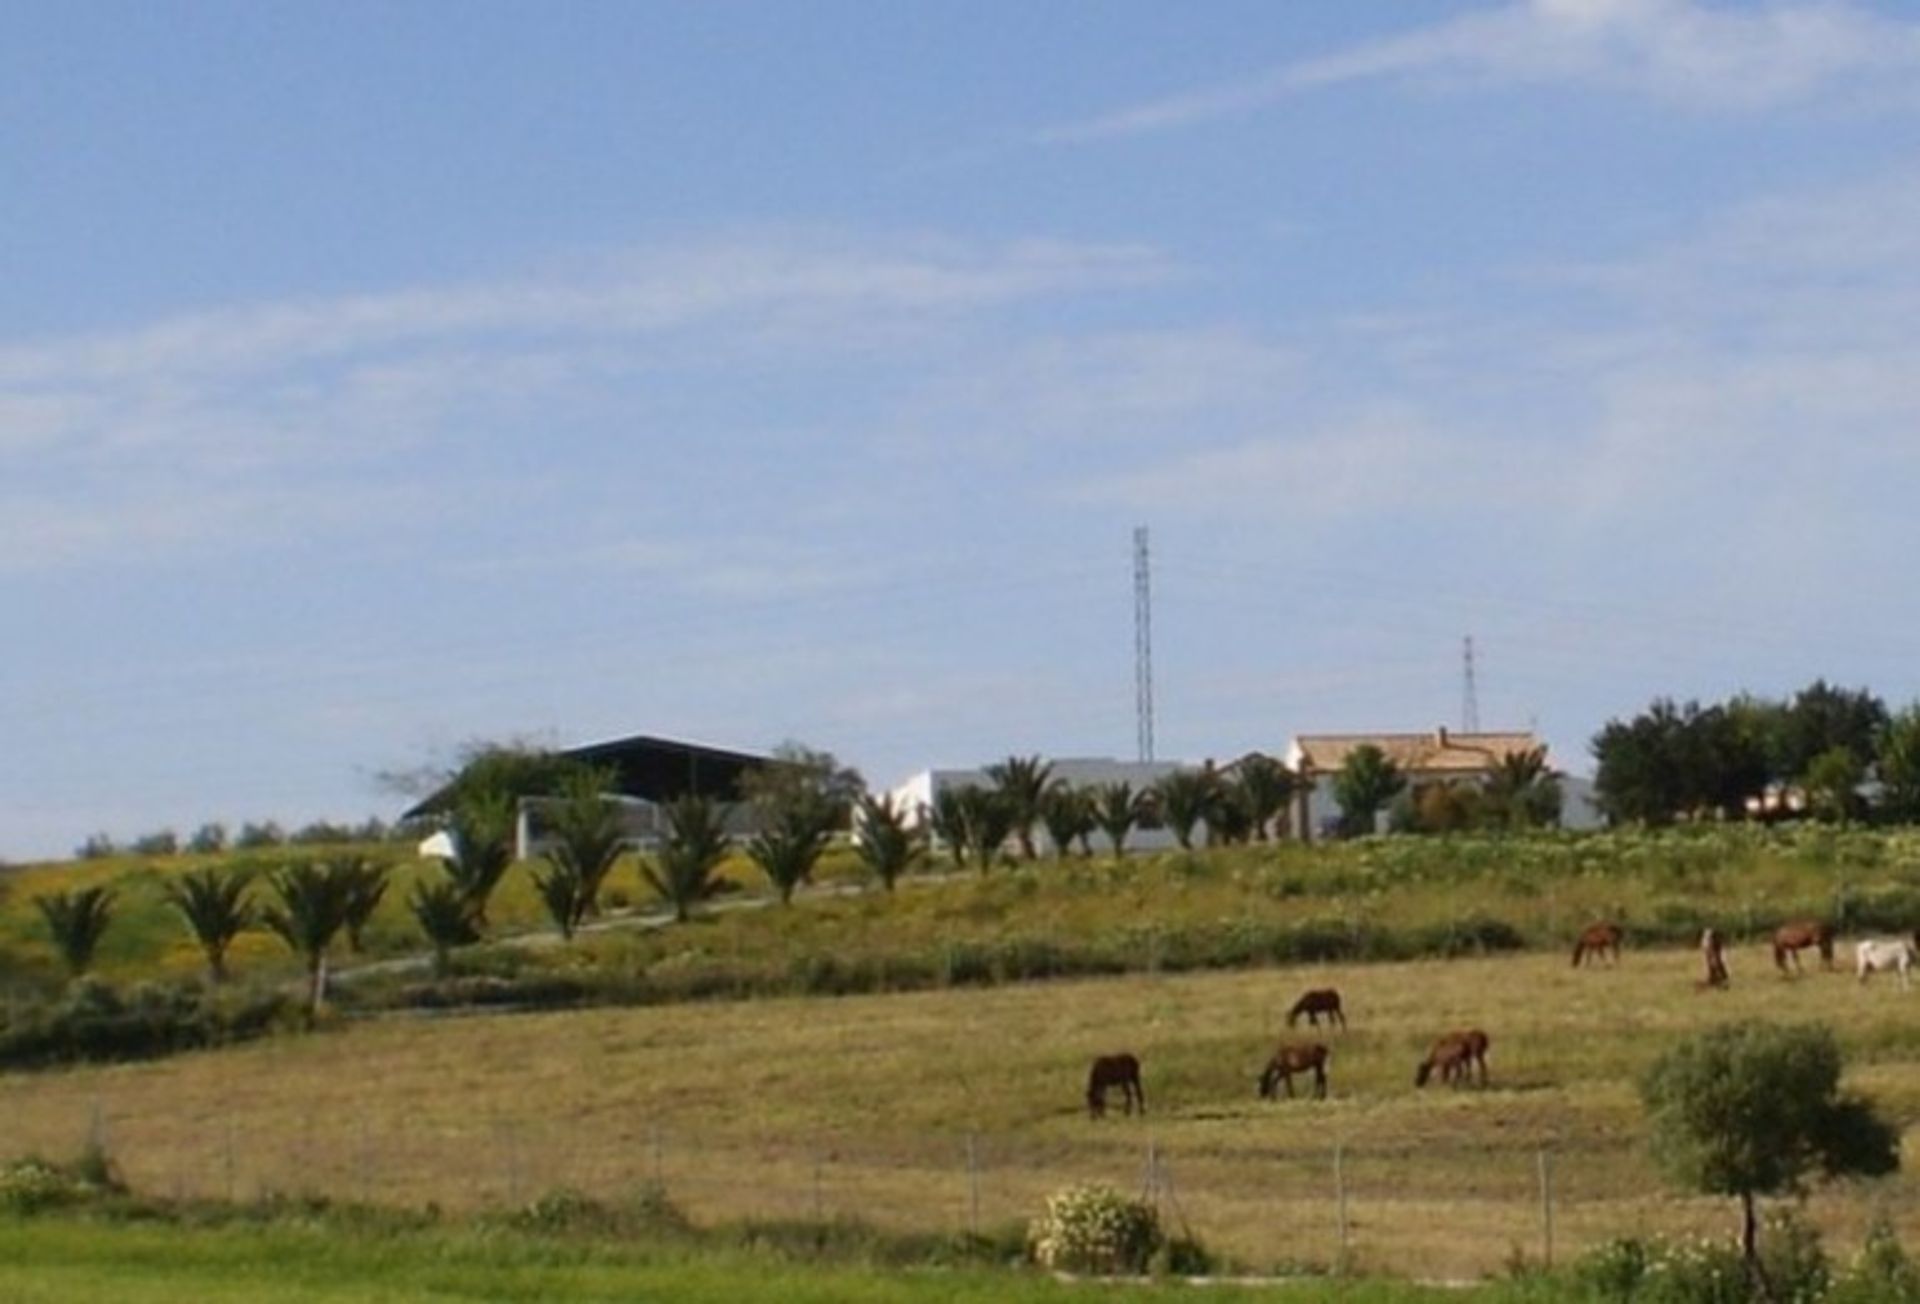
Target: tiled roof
{"x":1439,"y":752}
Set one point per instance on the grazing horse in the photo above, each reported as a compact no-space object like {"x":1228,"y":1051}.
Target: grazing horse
{"x":1313,"y":1004}
{"x":1292,"y":1058}
{"x":1897,"y":954}
{"x":1122,"y":1071}
{"x":1791,"y":939}
{"x":1455,"y":1055}
{"x":1715,"y":957}
{"x":1598,"y":940}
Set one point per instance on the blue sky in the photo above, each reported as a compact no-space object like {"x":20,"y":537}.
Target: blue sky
{"x":377,"y":378}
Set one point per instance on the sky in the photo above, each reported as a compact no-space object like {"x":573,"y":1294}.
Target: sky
{"x":376,"y":379}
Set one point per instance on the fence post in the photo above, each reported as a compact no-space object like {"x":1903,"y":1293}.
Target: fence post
{"x":973,"y":1184}
{"x":1340,"y":1199}
{"x":653,"y":1144}
{"x":1546,"y":1207}
{"x":229,"y":1156}
{"x":818,"y":1203}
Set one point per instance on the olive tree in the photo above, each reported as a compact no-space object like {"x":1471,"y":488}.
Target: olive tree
{"x":1752,"y":1109}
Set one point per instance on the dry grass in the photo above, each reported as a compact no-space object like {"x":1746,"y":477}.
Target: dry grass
{"x":864,"y":1104}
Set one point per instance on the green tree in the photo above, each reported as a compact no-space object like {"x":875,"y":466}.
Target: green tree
{"x":1116,"y":810}
{"x":802,"y":786}
{"x":1366,"y":781}
{"x":1263,"y":786}
{"x":442,"y":914}
{"x":482,"y":827}
{"x":313,"y":902}
{"x":215,"y":906}
{"x":1751,"y":1109}
{"x":1832,"y":783}
{"x":76,"y":921}
{"x":1182,"y":799}
{"x":1898,"y":766}
{"x":586,"y":842}
{"x":1067,"y":814}
{"x":1021,"y":784}
{"x":788,"y":851}
{"x":986,"y":821}
{"x":1822,"y":717}
{"x":886,"y":843}
{"x":948,"y":819}
{"x":366,"y":881}
{"x":682,"y":868}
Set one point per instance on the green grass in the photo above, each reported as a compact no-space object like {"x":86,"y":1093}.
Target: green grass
{"x":322,"y":1262}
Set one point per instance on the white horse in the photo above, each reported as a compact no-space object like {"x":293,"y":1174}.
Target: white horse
{"x":1896,"y":954}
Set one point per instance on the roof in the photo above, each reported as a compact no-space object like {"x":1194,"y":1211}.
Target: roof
{"x":657,"y":769}
{"x":1438,"y":752}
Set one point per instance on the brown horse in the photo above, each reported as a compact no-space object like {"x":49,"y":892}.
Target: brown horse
{"x":1313,"y":1004}
{"x":1599,"y":939}
{"x":1292,"y":1058}
{"x":1122,"y":1071}
{"x":1791,"y":939}
{"x":1713,"y":954}
{"x":1455,"y":1055}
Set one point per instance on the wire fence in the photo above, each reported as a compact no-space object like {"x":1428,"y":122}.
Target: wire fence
{"x":1431,"y":1210}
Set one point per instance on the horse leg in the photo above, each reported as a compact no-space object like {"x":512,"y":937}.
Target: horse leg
{"x":1319,"y":1082}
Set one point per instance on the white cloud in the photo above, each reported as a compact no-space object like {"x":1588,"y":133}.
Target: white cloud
{"x":1717,"y":58}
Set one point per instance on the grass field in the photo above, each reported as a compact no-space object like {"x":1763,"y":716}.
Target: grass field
{"x":57,"y":1260}
{"x":865,"y":1106}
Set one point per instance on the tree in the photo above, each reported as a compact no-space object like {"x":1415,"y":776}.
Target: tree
{"x":947,"y":818}
{"x":1366,"y":781}
{"x":788,"y":851}
{"x":1183,"y":798}
{"x":681,"y":870}
{"x":208,"y":840}
{"x":985,"y":822}
{"x":586,"y":842}
{"x":1021,"y":783}
{"x":1067,"y":814}
{"x":482,"y":829}
{"x":803,"y":785}
{"x":1750,"y":1109}
{"x":1116,"y":809}
{"x":1822,"y":717}
{"x":1523,"y":792}
{"x":76,"y":921}
{"x":214,"y":904}
{"x":1898,"y":766}
{"x":313,"y":902}
{"x":885,"y":842}
{"x":442,"y":914}
{"x":1263,"y":786}
{"x":366,"y":887}
{"x":1832,"y":782}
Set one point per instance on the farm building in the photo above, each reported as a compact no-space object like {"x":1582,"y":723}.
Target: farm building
{"x":1440,"y":756}
{"x":646,"y":773}
{"x":916,"y":794}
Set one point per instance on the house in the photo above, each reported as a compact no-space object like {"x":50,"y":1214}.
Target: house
{"x":1441,"y":756}
{"x":645,"y":773}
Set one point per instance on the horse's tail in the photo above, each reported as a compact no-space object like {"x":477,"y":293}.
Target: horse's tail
{"x":1425,"y":1071}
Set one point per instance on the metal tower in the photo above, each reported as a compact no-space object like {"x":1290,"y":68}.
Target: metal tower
{"x":1142,"y":646}
{"x":1469,"y":692}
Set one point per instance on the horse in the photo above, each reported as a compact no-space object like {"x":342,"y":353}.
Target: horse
{"x":1897,"y":954}
{"x":1455,"y":1055}
{"x":1313,"y":1004}
{"x":1790,"y":939}
{"x":1598,"y":939}
{"x":1714,"y":957}
{"x":1292,"y":1058}
{"x":1122,"y":1071}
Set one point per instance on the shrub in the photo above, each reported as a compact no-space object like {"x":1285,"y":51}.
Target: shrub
{"x":1095,"y":1229}
{"x":1710,"y":1271}
{"x":1880,"y":1274}
{"x":31,"y":1185}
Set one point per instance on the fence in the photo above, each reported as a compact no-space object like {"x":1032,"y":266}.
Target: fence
{"x":1430,"y":1210}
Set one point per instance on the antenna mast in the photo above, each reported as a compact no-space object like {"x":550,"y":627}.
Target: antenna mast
{"x":1142,"y":645}
{"x":1469,"y":691}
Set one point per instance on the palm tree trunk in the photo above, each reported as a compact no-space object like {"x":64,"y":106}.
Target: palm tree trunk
{"x":317,"y":984}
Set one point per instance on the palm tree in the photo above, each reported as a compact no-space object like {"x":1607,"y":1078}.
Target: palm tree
{"x":787,"y":852}
{"x":985,"y":822}
{"x":1184,"y":798}
{"x":1021,"y":784}
{"x":1263,"y":786}
{"x":76,"y":921}
{"x":587,"y":841}
{"x":1116,"y":809}
{"x":442,"y":914}
{"x":313,"y":904}
{"x":1367,"y":779}
{"x":1522,"y":790}
{"x":886,"y":843}
{"x":1067,"y":813}
{"x":948,"y":818}
{"x":682,"y":869}
{"x":482,"y":827}
{"x":215,"y":907}
{"x":366,"y":886}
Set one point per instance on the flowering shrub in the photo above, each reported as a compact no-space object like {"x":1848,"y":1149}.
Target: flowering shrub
{"x":30,"y":1185}
{"x":1094,"y":1229}
{"x":1880,"y":1274}
{"x":1706,"y":1270}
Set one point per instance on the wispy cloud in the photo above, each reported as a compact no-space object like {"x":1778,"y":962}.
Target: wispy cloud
{"x":1717,"y":58}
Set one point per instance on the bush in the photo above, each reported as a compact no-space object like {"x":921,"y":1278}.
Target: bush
{"x":31,"y":1185}
{"x":1095,"y":1229}
{"x":94,"y":1022}
{"x":1707,"y":1271}
{"x":1880,"y":1274}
